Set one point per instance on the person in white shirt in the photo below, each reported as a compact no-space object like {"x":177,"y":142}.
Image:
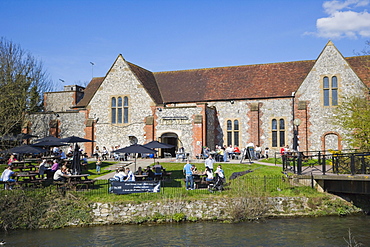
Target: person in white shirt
{"x":7,"y":174}
{"x":209,"y":162}
{"x":230,"y":151}
{"x":120,"y":175}
{"x":130,"y":175}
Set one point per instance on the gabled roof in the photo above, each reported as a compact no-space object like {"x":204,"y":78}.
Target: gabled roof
{"x":90,"y":91}
{"x":361,"y":66}
{"x":237,"y":82}
{"x":273,"y":80}
{"x":147,"y":79}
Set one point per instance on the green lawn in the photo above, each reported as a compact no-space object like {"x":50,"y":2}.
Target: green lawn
{"x":262,"y":181}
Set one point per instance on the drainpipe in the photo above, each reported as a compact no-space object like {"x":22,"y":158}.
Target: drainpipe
{"x":293,"y":110}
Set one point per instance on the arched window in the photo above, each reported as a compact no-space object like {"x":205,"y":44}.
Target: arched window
{"x":119,"y":110}
{"x":334,"y":91}
{"x":232,"y":135}
{"x":125,"y":109}
{"x":282,"y":132}
{"x":330,"y":91}
{"x":113,"y":110}
{"x":278,"y":132}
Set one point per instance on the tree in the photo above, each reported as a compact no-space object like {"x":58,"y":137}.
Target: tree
{"x":353,"y":115}
{"x":22,"y":84}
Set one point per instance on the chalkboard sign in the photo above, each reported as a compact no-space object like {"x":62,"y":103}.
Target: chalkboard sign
{"x":129,"y":187}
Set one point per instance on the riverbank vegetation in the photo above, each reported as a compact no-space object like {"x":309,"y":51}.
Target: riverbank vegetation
{"x":247,"y":198}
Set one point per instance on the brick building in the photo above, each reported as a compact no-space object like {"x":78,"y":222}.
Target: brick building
{"x":204,"y":107}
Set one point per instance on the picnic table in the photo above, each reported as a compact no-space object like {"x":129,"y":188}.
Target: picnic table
{"x":199,"y":179}
{"x":79,"y":181}
{"x":27,"y":179}
{"x":141,"y":177}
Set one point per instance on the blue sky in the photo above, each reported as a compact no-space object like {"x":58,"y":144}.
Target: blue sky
{"x":164,"y":35}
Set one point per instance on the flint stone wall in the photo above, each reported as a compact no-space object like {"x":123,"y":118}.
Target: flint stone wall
{"x":104,"y":213}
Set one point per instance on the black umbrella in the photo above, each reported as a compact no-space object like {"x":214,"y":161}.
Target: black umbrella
{"x":136,"y":148}
{"x":49,"y":144}
{"x":75,"y":139}
{"x":48,"y":139}
{"x":76,"y":161}
{"x":24,"y":136}
{"x":157,"y":144}
{"x":25,"y":149}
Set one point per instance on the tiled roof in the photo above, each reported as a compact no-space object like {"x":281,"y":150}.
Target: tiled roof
{"x":227,"y":83}
{"x":90,"y":91}
{"x":147,"y":79}
{"x":361,"y":66}
{"x":237,"y":82}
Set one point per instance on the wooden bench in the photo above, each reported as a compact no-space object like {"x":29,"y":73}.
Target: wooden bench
{"x":8,"y":185}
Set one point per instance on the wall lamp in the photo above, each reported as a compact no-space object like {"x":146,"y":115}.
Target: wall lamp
{"x":232,"y":102}
{"x":159,"y":109}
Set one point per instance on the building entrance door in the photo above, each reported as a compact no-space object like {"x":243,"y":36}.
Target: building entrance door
{"x":172,"y":139}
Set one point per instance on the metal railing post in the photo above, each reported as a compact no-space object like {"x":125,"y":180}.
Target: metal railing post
{"x":299,"y":165}
{"x":324,"y":164}
{"x":353,"y":168}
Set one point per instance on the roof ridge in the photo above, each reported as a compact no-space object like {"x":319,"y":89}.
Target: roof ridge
{"x":233,"y":66}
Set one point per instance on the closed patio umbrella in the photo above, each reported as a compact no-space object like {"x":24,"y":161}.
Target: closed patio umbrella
{"x":76,"y":161}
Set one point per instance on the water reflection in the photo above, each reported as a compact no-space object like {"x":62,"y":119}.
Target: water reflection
{"x":324,"y":231}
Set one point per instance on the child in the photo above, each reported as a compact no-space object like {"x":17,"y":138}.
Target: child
{"x":266,"y":153}
{"x":98,"y":165}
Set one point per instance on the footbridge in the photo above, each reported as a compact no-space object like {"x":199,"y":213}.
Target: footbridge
{"x":335,"y":171}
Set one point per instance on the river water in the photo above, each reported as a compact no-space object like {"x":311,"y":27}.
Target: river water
{"x":322,"y":231}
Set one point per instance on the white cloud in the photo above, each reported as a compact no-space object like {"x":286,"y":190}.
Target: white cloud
{"x":331,"y":7}
{"x":343,"y":21}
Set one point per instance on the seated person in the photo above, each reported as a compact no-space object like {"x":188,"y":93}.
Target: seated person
{"x":120,"y":175}
{"x":209,"y":174}
{"x":158,"y":169}
{"x":11,"y":160}
{"x":84,"y":162}
{"x":55,"y":166}
{"x":193,"y":169}
{"x":180,"y":154}
{"x":55,"y":151}
{"x":62,"y":155}
{"x":61,"y":174}
{"x":139,"y":171}
{"x":130,"y":176}
{"x":7,"y":174}
{"x":70,"y":151}
{"x":150,"y":173}
{"x":42,"y":168}
{"x":220,"y":172}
